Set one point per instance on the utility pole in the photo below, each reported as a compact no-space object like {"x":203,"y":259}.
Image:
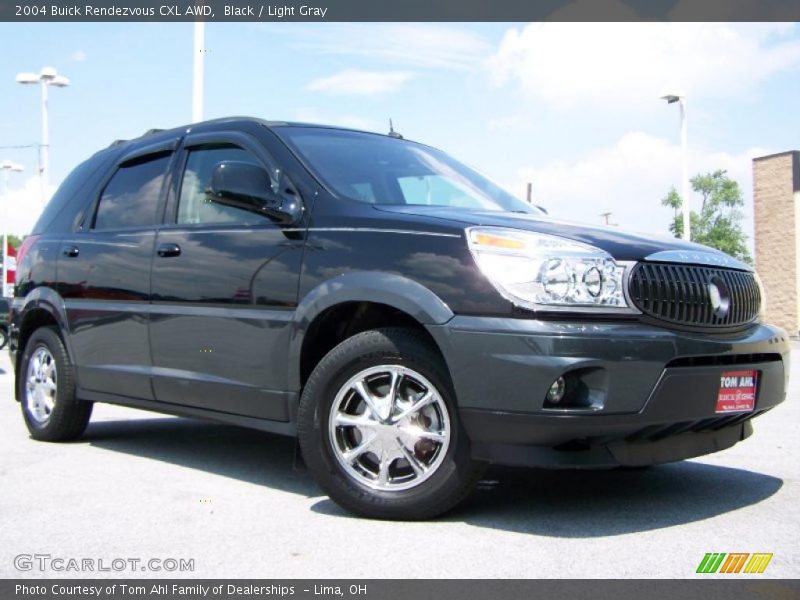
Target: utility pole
{"x":198,"y":73}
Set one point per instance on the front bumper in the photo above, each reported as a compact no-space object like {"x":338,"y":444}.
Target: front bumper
{"x":654,"y":396}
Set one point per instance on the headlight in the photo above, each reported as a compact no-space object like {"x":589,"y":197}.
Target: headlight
{"x":548,"y":272}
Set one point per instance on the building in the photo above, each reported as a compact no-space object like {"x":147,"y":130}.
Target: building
{"x":776,"y":200}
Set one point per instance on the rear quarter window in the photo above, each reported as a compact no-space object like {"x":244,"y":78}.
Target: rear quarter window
{"x":66,"y":208}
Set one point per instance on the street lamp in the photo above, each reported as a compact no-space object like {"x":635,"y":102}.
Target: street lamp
{"x":6,"y":166}
{"x":687,"y":225}
{"x":46,"y":77}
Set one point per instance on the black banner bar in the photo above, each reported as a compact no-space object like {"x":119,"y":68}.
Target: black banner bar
{"x":734,"y":588}
{"x":399,"y":10}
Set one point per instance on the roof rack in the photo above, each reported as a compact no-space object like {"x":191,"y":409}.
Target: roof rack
{"x":145,"y":134}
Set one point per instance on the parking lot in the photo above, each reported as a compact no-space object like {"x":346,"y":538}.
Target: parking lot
{"x":140,"y":485}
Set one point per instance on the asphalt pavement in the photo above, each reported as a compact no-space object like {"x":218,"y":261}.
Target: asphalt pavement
{"x":143,"y":486}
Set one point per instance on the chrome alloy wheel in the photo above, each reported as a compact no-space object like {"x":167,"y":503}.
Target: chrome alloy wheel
{"x":41,"y":385}
{"x":389,"y":428}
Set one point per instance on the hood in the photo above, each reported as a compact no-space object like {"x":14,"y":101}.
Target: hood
{"x":621,"y":244}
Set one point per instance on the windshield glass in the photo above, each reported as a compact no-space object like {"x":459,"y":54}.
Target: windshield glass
{"x":377,"y":169}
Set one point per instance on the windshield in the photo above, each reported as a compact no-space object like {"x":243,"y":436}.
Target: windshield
{"x":377,"y":169}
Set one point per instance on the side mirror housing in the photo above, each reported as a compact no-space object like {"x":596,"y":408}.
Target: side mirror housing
{"x":249,"y":187}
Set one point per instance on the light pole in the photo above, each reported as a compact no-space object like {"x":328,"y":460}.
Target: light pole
{"x":6,"y":166}
{"x":198,"y":71}
{"x":46,"y":77}
{"x":687,"y":224}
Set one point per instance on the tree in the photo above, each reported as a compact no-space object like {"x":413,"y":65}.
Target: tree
{"x":718,"y":224}
{"x":14,"y":241}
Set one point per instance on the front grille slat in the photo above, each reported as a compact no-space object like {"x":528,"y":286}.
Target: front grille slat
{"x":679,"y":294}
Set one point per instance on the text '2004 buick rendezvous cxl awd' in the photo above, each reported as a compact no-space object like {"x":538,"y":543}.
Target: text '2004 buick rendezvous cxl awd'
{"x":407,"y":319}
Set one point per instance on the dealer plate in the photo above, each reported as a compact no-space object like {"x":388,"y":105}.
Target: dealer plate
{"x":737,"y":391}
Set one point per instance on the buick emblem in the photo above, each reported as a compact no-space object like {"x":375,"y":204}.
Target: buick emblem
{"x":720,"y":297}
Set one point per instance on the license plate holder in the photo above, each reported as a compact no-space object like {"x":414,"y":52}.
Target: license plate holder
{"x":737,"y":391}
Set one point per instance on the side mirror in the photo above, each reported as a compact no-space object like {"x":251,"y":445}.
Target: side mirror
{"x":249,"y":187}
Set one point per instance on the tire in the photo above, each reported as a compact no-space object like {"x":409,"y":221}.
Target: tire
{"x":3,"y":337}
{"x":400,"y":455}
{"x":47,"y":390}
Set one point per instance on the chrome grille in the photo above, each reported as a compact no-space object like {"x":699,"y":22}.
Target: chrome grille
{"x":680,"y":294}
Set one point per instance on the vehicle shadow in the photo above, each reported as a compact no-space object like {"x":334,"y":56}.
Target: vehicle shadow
{"x":244,"y":454}
{"x":567,"y":504}
{"x":581,"y":504}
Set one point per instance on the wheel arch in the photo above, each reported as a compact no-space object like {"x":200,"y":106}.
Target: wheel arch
{"x":43,"y":307}
{"x":358,"y":301}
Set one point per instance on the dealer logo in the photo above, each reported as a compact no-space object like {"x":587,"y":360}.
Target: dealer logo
{"x":720,"y":297}
{"x":734,"y":562}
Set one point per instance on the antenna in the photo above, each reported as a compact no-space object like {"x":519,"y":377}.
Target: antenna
{"x":392,"y":132}
{"x":607,"y":219}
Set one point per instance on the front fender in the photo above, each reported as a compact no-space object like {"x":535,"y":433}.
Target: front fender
{"x":391,"y":289}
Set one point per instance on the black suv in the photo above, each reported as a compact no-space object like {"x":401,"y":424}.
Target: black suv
{"x":407,"y":319}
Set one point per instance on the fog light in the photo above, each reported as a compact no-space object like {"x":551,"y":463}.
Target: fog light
{"x":556,"y":392}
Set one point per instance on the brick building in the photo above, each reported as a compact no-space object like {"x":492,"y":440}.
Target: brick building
{"x":776,"y":198}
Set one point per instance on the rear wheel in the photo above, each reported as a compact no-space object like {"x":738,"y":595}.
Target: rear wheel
{"x":379,"y":429}
{"x":3,"y":337}
{"x":47,"y":390}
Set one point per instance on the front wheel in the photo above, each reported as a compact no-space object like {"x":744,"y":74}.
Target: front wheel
{"x":3,"y":337}
{"x":379,"y":429}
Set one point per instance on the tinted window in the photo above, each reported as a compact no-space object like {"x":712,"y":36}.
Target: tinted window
{"x":383,"y":170}
{"x":131,"y":197}
{"x":66,"y":208}
{"x":195,"y":206}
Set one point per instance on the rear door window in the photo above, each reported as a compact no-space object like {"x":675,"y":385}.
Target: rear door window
{"x":131,"y":197}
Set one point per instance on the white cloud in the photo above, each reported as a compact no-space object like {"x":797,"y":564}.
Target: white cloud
{"x":413,"y":44}
{"x":356,"y":81}
{"x":629,"y":179}
{"x":629,"y":65}
{"x":508,"y":122}
{"x":313,"y":114}
{"x":24,"y":205}
{"x":78,"y":56}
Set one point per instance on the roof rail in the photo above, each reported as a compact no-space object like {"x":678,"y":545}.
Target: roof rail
{"x":145,"y":134}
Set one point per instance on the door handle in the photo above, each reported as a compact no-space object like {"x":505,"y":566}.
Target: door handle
{"x":167,"y":250}
{"x":71,"y":251}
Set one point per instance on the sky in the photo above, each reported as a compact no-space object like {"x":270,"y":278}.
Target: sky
{"x":573,"y":108}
